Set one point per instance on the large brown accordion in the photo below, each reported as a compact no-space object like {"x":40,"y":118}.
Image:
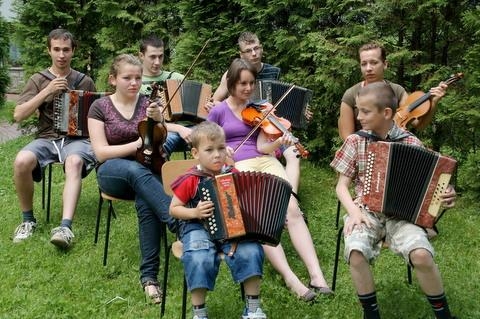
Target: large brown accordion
{"x":294,"y":105}
{"x":188,"y":104}
{"x":70,"y":111}
{"x":249,"y":205}
{"x":405,"y":181}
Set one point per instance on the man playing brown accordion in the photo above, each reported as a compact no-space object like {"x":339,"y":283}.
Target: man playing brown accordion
{"x":75,"y":153}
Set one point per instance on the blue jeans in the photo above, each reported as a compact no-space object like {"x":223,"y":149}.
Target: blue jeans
{"x":129,"y":179}
{"x":201,"y":261}
{"x":174,"y":143}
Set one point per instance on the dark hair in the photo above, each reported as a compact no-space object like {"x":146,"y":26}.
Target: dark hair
{"x":60,"y":34}
{"x":373,"y":46}
{"x":236,"y":68}
{"x":152,"y":41}
{"x":211,"y":130}
{"x":384,"y":95}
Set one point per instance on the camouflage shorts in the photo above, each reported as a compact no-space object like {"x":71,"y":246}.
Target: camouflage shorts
{"x":402,"y":237}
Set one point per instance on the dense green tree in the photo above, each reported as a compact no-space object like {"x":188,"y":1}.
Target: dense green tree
{"x":4,"y":45}
{"x":314,"y":42}
{"x":35,"y":19}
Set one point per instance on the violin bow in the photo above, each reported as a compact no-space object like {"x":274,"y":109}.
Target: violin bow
{"x":185,"y":76}
{"x":264,"y":117}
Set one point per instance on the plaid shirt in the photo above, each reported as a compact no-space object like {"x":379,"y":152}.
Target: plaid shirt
{"x":351,"y":158}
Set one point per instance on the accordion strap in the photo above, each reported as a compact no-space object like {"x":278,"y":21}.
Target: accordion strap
{"x":376,"y":138}
{"x":233,"y":248}
{"x":78,"y":79}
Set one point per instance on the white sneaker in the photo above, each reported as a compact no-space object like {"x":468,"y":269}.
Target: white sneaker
{"x":259,"y":314}
{"x":23,"y":231}
{"x":62,"y":237}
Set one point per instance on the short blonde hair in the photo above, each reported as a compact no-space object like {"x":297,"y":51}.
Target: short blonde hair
{"x":384,"y":95}
{"x":211,"y":130}
{"x":247,"y":38}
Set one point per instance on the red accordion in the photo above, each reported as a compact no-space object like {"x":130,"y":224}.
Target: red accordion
{"x":70,"y":111}
{"x":247,"y":205}
{"x":405,"y":181}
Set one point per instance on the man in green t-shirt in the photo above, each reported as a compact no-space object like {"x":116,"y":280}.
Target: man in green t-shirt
{"x":152,"y":53}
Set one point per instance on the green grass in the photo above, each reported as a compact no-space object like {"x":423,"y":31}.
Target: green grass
{"x":38,"y":281}
{"x":6,"y":111}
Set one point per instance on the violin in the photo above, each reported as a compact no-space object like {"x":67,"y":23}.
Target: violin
{"x":417,"y":105}
{"x":151,"y":154}
{"x":272,"y":125}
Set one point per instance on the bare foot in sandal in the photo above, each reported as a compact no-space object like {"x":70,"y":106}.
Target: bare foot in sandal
{"x":300,"y":290}
{"x":152,"y":291}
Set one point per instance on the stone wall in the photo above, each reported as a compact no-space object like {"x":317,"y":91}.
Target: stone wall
{"x":16,"y":80}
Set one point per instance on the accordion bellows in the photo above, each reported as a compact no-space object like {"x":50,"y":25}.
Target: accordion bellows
{"x":70,"y":111}
{"x":249,"y":205}
{"x":188,"y":104}
{"x":405,"y":181}
{"x":294,"y":105}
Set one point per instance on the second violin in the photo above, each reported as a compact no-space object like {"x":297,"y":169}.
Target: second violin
{"x":271,"y":125}
{"x":418,"y":106}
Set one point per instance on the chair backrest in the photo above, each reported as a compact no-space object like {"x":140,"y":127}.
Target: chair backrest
{"x":173,"y":169}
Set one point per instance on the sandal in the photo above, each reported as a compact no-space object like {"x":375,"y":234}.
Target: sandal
{"x":309,"y":296}
{"x":152,"y":291}
{"x":321,"y":290}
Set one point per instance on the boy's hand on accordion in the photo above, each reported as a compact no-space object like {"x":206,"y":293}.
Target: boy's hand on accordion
{"x":204,"y":209}
{"x":448,"y":198}
{"x":57,"y":85}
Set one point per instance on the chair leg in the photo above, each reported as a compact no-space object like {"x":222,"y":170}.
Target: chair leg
{"x":166,"y":251}
{"x":107,"y":231}
{"x":337,"y":218}
{"x":242,"y":291}
{"x":99,"y":214}
{"x":49,"y":191}
{"x":43,"y":189}
{"x":165,"y":278}
{"x":184,"y":298}
{"x":337,"y":255}
{"x":409,"y":274}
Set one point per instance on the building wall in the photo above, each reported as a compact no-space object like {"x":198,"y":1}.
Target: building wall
{"x":6,"y":10}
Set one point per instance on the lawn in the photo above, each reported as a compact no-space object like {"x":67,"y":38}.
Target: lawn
{"x":39,"y":281}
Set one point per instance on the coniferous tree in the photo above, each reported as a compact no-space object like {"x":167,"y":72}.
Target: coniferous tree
{"x":4,"y":51}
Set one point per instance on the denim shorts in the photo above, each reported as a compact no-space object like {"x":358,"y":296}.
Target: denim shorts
{"x":402,"y":237}
{"x":201,"y":260}
{"x":48,"y":151}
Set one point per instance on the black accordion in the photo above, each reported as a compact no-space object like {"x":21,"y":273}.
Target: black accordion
{"x":188,"y":104}
{"x":249,"y":205}
{"x":405,"y":181}
{"x":70,"y":111}
{"x":294,"y":105}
